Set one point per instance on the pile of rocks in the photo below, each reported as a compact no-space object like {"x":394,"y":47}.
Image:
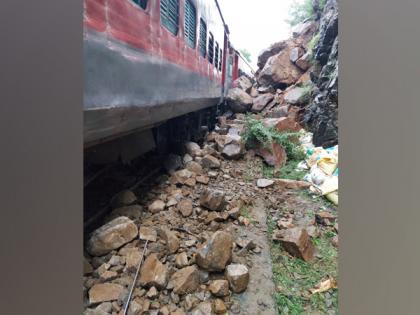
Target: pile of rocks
{"x":297,"y":81}
{"x":194,"y":262}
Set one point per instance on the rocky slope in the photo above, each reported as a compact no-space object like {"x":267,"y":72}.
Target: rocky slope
{"x":298,"y":78}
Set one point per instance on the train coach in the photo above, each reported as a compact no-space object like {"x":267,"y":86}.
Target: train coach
{"x":153,"y":69}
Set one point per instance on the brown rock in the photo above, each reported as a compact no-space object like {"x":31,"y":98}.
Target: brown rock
{"x":181,"y":260}
{"x":209,"y":161}
{"x":243,"y":83}
{"x":216,"y":253}
{"x":194,"y":167}
{"x":204,"y":308}
{"x":213,"y":199}
{"x":304,"y":62}
{"x":297,"y":95}
{"x":147,"y":234}
{"x":235,"y":213}
{"x":238,"y":100}
{"x":193,"y":149}
{"x":152,"y":293}
{"x":185,"y":207}
{"x":219,"y":288}
{"x":191,"y":182}
{"x":202,"y":179}
{"x":238,"y":277}
{"x":296,"y":53}
{"x":261,"y":101}
{"x":111,"y":236}
{"x":269,"y":52}
{"x":292,"y":184}
{"x":232,"y":151}
{"x":279,"y":70}
{"x":219,"y":307}
{"x":286,"y":124}
{"x":172,"y":241}
{"x":104,"y":292}
{"x":275,"y":155}
{"x":153,"y":273}
{"x":181,"y":176}
{"x":296,"y":242}
{"x":132,"y":259}
{"x":186,"y":280}
{"x":325,"y":218}
{"x":157,"y":206}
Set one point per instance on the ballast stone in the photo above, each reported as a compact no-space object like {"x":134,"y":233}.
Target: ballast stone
{"x":111,"y":236}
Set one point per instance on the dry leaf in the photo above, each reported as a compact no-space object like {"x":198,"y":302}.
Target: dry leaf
{"x":325,"y":286}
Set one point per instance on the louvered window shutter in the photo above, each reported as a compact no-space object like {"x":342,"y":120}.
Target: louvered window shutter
{"x":169,"y":15}
{"x":190,"y":23}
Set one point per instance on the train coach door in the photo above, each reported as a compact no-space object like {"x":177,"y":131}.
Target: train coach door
{"x":229,"y":72}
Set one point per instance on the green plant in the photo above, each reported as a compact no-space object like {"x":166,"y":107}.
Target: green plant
{"x":313,"y":43}
{"x":299,"y":11}
{"x":257,"y":133}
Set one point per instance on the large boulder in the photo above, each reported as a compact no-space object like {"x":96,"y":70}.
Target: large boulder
{"x":297,"y":242}
{"x":111,"y":236}
{"x":271,"y":51}
{"x":216,"y":253}
{"x":297,"y":95}
{"x":244,"y":83}
{"x":238,"y":100}
{"x":261,"y":101}
{"x":279,"y":70}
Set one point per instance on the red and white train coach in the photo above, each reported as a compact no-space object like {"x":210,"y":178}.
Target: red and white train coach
{"x":148,"y":61}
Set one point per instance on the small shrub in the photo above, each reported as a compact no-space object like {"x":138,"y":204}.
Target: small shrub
{"x":313,"y":43}
{"x":256,"y":133}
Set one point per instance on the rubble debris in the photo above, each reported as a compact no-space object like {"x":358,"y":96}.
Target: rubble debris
{"x":210,"y":162}
{"x":213,"y":199}
{"x":193,"y":149}
{"x":219,"y":288}
{"x":185,"y":280}
{"x":105,"y":292}
{"x":185,"y":207}
{"x":261,"y":101}
{"x":132,"y":212}
{"x":296,"y":241}
{"x":157,"y":206}
{"x":244,"y":83}
{"x":111,"y":236}
{"x":238,"y":277}
{"x":153,"y":273}
{"x":172,"y":241}
{"x":216,"y":253}
{"x":147,"y":234}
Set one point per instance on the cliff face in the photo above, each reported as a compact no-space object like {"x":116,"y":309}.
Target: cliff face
{"x":321,"y":115}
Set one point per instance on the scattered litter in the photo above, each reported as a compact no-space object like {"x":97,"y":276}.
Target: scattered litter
{"x":324,"y":286}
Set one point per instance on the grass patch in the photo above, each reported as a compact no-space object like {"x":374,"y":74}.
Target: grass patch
{"x":295,"y":277}
{"x":304,"y":193}
{"x":313,"y":43}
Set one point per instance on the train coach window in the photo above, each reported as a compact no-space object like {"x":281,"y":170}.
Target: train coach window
{"x":141,"y":3}
{"x":190,"y":23}
{"x":220,"y":59}
{"x":203,"y":38}
{"x":211,"y":48}
{"x":216,"y":56}
{"x":169,"y":15}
